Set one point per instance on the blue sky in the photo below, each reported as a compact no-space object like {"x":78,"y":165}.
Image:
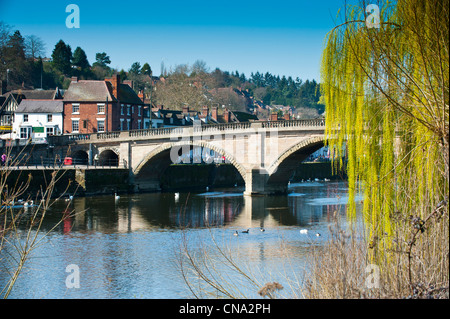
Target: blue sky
{"x":280,"y":37}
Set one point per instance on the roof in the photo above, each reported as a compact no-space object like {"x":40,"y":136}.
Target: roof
{"x":40,"y":106}
{"x":38,"y":94}
{"x":127,"y":95}
{"x":88,"y":91}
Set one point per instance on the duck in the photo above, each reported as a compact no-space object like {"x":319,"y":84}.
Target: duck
{"x":262,"y":229}
{"x":318,"y":235}
{"x":245,"y":231}
{"x":236,"y":233}
{"x":303,"y":231}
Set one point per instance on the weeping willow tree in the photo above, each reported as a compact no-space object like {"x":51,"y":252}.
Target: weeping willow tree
{"x":386,"y":87}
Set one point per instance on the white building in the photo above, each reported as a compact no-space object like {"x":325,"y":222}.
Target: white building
{"x":37,"y":119}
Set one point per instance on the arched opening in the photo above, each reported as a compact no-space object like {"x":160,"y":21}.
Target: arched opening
{"x":80,"y":158}
{"x":108,"y":158}
{"x":283,"y":169}
{"x":187,"y":166}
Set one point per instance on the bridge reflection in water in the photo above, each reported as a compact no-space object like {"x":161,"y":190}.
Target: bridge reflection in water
{"x":306,"y":203}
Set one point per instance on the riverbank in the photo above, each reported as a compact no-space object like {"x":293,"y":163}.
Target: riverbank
{"x":104,"y":181}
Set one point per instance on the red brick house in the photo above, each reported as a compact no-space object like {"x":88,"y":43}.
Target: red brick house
{"x":101,"y":106}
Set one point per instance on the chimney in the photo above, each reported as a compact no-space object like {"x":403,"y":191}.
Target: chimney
{"x":226,"y":116}
{"x":214,"y":113}
{"x":74,"y":79}
{"x":274,"y":116}
{"x":205,"y":111}
{"x":140,"y":94}
{"x":185,"y":109}
{"x":115,"y":82}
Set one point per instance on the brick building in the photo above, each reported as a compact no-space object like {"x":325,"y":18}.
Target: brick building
{"x":101,"y":106}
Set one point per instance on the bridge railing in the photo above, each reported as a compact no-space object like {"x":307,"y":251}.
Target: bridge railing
{"x":167,"y":131}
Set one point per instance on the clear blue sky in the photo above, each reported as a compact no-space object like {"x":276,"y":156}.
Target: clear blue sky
{"x":281,"y":37}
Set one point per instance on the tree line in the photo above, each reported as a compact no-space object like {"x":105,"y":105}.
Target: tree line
{"x":22,"y":63}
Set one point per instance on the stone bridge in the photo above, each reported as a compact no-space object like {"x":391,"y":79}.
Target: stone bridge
{"x":265,"y":153}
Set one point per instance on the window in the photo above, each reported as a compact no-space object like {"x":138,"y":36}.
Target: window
{"x":25,"y":132}
{"x":50,"y":131}
{"x":101,"y":108}
{"x":75,"y":125}
{"x":75,"y":108}
{"x":139,"y":110}
{"x":132,"y":109}
{"x":128,"y":125}
{"x":49,"y":118}
{"x":25,"y":117}
{"x":122,"y":109}
{"x":139,"y":125}
{"x":128,"y":110}
{"x":122,"y":128}
{"x":100,"y":125}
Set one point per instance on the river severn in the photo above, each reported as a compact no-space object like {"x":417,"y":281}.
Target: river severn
{"x":136,"y":246}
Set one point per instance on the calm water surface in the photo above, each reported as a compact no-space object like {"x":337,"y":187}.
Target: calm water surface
{"x":128,"y":248}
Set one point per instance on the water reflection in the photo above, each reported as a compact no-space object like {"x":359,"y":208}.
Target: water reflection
{"x":125,"y":247}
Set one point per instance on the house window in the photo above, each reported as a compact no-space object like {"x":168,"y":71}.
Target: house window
{"x":128,"y":125}
{"x":49,"y":118}
{"x":122,"y":109}
{"x":25,"y":132}
{"x":121,"y":125}
{"x":139,"y":110}
{"x":25,"y":117}
{"x":75,"y":108}
{"x":101,"y":108}
{"x":132,"y":109}
{"x":128,"y":110}
{"x":75,"y":126}
{"x":50,"y":131}
{"x":139,"y":125}
{"x":100,"y":125}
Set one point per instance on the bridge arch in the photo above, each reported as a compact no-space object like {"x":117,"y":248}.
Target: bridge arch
{"x":108,"y":157}
{"x":283,"y":168}
{"x":148,"y":172}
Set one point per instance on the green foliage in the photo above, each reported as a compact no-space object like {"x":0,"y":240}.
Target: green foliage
{"x":386,"y":95}
{"x":62,"y":57}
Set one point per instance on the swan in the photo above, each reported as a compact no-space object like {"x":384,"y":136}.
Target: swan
{"x":177,"y":196}
{"x":303,"y":231}
{"x":326,"y":179}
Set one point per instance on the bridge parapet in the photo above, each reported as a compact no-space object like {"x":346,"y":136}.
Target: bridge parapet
{"x":167,"y":132}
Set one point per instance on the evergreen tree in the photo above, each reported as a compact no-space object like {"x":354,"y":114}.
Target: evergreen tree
{"x":62,"y":56}
{"x":146,"y":69}
{"x":79,"y":59}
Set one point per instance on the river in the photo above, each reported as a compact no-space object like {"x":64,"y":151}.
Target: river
{"x":131,"y":247}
